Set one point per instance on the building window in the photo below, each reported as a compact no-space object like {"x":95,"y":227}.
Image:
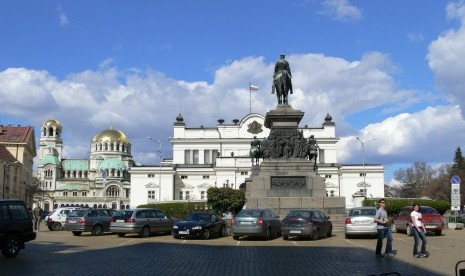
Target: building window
{"x":150,"y":175}
{"x":196,"y":156}
{"x":202,"y":195}
{"x":65,"y":193}
{"x":207,"y":158}
{"x":363,"y":174}
{"x":206,"y":177}
{"x":331,"y":193}
{"x":151,"y":195}
{"x":84,"y":193}
{"x":180,"y":195}
{"x":244,"y":173}
{"x":187,"y":157}
{"x":187,"y":195}
{"x":215,"y":154}
{"x":328,"y":176}
{"x":74,"y":193}
{"x":183,"y":176}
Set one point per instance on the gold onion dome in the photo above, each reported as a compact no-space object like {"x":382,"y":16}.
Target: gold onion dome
{"x":111,"y":135}
{"x":53,"y":122}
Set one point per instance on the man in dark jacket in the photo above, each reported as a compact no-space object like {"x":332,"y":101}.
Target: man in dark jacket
{"x":37,"y":213}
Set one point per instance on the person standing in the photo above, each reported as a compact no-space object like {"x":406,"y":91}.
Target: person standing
{"x":381,"y":220}
{"x":419,"y":232}
{"x":37,"y":213}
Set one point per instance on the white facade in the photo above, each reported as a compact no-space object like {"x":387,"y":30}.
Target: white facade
{"x":218,"y":156}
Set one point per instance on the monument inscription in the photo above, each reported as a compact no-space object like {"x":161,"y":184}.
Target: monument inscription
{"x":288,"y":182}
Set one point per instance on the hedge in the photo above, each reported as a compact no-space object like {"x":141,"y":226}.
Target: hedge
{"x":394,"y":205}
{"x":178,"y":210}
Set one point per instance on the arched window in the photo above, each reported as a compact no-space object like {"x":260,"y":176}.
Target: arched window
{"x":50,"y":131}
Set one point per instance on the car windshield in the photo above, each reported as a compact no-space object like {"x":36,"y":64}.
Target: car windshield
{"x":77,"y":213}
{"x":123,"y":214}
{"x":250,"y":213}
{"x":362,"y":212}
{"x":300,"y":214}
{"x":198,"y":217}
{"x":428,"y":211}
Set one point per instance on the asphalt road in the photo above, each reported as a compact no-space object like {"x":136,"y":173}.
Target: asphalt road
{"x":61,"y":253}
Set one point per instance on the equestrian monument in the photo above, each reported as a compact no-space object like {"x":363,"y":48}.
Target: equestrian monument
{"x":287,"y":176}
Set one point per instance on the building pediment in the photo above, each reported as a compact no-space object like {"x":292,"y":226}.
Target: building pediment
{"x":151,"y":185}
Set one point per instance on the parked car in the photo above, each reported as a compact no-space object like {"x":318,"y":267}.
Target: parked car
{"x":57,"y":219}
{"x":15,"y":227}
{"x":200,"y":225}
{"x":309,"y":223}
{"x":96,"y":221}
{"x":431,"y":218}
{"x":142,"y":221}
{"x":256,"y":222}
{"x":361,"y":221}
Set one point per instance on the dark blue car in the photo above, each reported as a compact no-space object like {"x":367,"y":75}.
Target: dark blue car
{"x":200,"y":225}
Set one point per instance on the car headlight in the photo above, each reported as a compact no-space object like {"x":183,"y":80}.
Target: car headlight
{"x":175,"y":227}
{"x":197,"y":228}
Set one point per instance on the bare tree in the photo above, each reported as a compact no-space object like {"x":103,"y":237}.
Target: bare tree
{"x":415,"y":179}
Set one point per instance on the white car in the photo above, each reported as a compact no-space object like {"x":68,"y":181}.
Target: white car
{"x":57,"y":219}
{"x":361,"y":221}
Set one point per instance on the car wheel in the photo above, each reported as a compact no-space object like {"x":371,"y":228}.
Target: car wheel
{"x":206,"y":234}
{"x":409,"y":230}
{"x":438,"y":233}
{"x":316,"y":235}
{"x":56,"y":226}
{"x":393,"y":228}
{"x":11,"y":246}
{"x":268,"y":233}
{"x":236,"y":238}
{"x":176,"y":236}
{"x":50,"y":228}
{"x":346,"y":236}
{"x":77,"y":233}
{"x":97,"y":230}
{"x":285,"y":237}
{"x":145,"y":232}
{"x":121,"y":234}
{"x":223,"y":231}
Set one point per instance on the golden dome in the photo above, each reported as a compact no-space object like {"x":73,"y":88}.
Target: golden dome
{"x":111,"y":135}
{"x":53,"y":122}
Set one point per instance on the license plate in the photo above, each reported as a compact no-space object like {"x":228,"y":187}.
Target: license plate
{"x":295,"y":231}
{"x":430,"y":226}
{"x":183,"y":232}
{"x":363,"y":222}
{"x":72,"y":221}
{"x":246,"y":222}
{"x":120,"y":220}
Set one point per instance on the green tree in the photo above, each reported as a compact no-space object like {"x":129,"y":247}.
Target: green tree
{"x":222,"y":199}
{"x":459,"y":161}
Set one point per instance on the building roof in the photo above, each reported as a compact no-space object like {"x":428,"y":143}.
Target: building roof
{"x":111,"y":135}
{"x":49,"y":159}
{"x":18,"y":135}
{"x":5,"y":155}
{"x":112,"y":163}
{"x":76,"y":164}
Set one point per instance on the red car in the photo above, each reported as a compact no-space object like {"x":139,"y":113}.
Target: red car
{"x":432,"y":220}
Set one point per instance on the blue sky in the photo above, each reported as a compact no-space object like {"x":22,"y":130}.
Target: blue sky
{"x":390,"y":70}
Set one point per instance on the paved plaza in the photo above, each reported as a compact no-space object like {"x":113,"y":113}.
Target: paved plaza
{"x":61,"y":253}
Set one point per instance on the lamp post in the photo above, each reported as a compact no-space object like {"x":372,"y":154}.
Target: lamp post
{"x":5,"y":167}
{"x":159,"y":150}
{"x":363,"y":162}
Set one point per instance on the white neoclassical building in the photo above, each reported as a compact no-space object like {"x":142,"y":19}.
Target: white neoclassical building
{"x":218,"y":156}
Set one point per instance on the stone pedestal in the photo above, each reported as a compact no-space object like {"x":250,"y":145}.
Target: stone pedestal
{"x":283,"y":182}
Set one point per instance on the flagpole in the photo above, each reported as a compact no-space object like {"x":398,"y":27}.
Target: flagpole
{"x":250,"y":98}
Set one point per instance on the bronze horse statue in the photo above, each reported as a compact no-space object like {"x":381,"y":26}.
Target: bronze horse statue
{"x":282,"y":83}
{"x":256,"y":151}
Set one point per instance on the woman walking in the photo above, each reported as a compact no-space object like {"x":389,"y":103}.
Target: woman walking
{"x":419,"y":232}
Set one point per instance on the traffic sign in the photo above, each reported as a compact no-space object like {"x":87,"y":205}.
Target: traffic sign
{"x":455,"y":179}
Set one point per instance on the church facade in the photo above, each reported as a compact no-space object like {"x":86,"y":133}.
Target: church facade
{"x":102,"y":180}
{"x":218,"y":156}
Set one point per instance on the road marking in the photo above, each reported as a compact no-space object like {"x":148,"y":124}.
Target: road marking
{"x":184,"y":241}
{"x":238,"y":243}
{"x":126,"y":242}
{"x":295,"y":243}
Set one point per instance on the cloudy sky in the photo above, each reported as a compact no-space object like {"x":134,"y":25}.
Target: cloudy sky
{"x":390,"y":72}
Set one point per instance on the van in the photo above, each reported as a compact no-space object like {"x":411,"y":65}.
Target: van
{"x":57,"y":219}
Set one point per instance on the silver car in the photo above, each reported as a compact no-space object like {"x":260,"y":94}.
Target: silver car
{"x":360,"y":221}
{"x":91,"y":220}
{"x":256,"y":222}
{"x":142,"y":221}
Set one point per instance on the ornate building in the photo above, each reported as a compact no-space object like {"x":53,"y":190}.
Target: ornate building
{"x":101,"y":181}
{"x":218,"y":156}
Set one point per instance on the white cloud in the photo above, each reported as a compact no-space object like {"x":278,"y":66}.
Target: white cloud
{"x":445,"y":57}
{"x":341,"y":10}
{"x":64,"y":21}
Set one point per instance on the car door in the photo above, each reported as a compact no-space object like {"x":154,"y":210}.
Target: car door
{"x":161,"y":221}
{"x":326,"y":223}
{"x":104,"y":218}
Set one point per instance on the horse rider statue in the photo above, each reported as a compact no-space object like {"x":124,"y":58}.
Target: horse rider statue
{"x":282,"y":83}
{"x":255,"y":150}
{"x":312,"y":150}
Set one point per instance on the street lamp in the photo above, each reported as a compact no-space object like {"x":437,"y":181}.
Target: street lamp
{"x":364,"y":185}
{"x":159,"y":150}
{"x":5,"y":188}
